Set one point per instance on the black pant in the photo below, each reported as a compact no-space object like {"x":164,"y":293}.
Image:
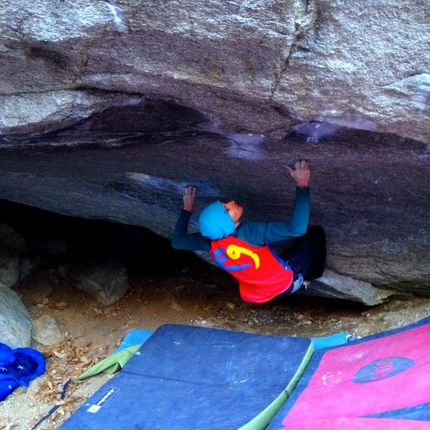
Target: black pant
{"x":307,"y":255}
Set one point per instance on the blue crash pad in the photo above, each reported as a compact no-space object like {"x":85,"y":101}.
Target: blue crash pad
{"x":186,"y":377}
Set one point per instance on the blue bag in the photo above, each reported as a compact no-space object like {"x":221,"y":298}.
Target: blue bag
{"x":18,"y":367}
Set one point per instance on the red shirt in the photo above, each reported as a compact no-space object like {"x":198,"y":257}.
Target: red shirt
{"x":261,"y":273}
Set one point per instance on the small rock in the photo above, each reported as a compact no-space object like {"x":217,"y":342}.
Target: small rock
{"x":230,"y":306}
{"x":26,"y":267}
{"x":10,"y":239}
{"x":9,"y":267}
{"x":105,"y":281}
{"x":37,"y":287}
{"x":46,"y":331}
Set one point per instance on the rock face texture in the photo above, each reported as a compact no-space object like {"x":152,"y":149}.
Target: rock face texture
{"x":252,"y":65}
{"x":108,"y":109}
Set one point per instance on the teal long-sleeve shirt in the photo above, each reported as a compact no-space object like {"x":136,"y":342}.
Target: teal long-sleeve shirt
{"x":255,"y":233}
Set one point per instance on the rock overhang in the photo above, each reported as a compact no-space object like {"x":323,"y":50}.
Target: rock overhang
{"x":223,"y":95}
{"x":126,"y":165}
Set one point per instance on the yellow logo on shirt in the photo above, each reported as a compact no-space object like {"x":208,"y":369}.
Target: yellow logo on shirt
{"x":235,"y":252}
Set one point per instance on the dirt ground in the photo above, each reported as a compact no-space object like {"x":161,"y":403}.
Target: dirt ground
{"x":171,"y":287}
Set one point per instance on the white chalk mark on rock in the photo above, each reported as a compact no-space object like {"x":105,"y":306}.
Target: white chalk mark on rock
{"x":117,"y":16}
{"x":172,"y":185}
{"x":246,"y":146}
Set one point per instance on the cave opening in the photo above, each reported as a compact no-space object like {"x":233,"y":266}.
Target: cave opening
{"x":50,"y":242}
{"x":54,"y":240}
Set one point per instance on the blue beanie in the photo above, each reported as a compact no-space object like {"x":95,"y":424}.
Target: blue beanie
{"x":215,"y":222}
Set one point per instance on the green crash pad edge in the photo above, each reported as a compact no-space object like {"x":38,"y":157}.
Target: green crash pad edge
{"x":263,"y":419}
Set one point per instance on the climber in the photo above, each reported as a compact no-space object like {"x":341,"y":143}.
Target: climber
{"x":244,"y":249}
